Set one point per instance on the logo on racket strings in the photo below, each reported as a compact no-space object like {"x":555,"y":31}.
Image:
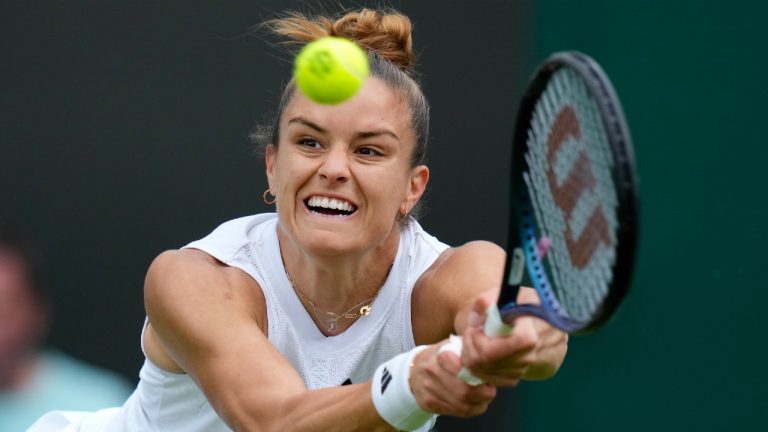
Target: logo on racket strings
{"x":580,"y":180}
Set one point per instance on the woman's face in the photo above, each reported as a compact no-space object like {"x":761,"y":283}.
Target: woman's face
{"x":341,"y":173}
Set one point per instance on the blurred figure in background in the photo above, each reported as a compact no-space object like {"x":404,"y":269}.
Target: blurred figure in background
{"x":34,"y":380}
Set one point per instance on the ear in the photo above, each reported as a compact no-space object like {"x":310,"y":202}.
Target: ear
{"x":269,"y":158}
{"x":416,"y":187}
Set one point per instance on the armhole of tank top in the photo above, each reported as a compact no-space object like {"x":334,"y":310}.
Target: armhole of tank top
{"x":411,"y":338}
{"x":269,"y":306}
{"x":410,"y":285}
{"x":425,"y":241}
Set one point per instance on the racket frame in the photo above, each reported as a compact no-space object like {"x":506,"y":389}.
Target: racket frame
{"x":522,"y":229}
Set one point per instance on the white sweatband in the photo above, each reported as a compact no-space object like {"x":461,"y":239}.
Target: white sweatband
{"x":392,"y":396}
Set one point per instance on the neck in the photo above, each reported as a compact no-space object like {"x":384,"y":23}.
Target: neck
{"x":335,"y":283}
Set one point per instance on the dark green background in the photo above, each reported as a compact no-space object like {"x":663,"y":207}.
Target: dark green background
{"x":686,"y":351}
{"x":123,"y":133}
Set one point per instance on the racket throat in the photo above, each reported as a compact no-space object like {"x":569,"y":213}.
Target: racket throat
{"x":515,"y":272}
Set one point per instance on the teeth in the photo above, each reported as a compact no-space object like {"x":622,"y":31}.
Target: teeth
{"x":330,"y":203}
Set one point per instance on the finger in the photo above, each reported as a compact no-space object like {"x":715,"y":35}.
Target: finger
{"x":523,"y":339}
{"x":495,"y":360}
{"x":460,"y":399}
{"x":525,"y":335}
{"x":474,"y":353}
{"x":446,"y":394}
{"x":480,"y":305}
{"x":426,"y":381}
{"x":450,"y":362}
{"x":463,"y":393}
{"x":480,"y":394}
{"x":528,"y":296}
{"x":436,"y":386}
{"x":470,"y":350}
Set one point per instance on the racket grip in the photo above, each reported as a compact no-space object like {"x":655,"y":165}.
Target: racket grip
{"x":494,"y":326}
{"x":455,"y":345}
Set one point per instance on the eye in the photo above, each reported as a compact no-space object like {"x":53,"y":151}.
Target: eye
{"x":369,"y":151}
{"x":309,"y":142}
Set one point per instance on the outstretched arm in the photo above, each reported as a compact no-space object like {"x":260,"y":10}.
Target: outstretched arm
{"x":206,"y":318}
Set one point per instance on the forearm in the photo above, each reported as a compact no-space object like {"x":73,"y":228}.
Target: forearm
{"x":346,"y":408}
{"x":340,"y":409}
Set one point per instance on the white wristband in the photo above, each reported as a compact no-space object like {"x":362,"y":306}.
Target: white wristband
{"x":392,"y":396}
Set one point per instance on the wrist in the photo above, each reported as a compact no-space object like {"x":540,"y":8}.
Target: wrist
{"x":392,"y":395}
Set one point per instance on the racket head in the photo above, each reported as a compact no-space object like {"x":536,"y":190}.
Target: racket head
{"x":573,"y":183}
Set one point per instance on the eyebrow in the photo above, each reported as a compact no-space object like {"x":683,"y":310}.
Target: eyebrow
{"x":305,"y":122}
{"x":361,"y":135}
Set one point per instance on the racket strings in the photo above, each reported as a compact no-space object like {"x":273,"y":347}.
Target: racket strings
{"x":572,"y":194}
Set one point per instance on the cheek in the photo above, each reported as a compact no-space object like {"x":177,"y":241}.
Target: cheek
{"x":388,"y":188}
{"x":287,"y":176}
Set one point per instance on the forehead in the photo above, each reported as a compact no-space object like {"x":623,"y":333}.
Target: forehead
{"x":375,"y":106}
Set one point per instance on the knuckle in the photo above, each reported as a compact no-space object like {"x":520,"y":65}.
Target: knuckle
{"x":465,"y":393}
{"x":481,"y":409}
{"x":477,"y":360}
{"x":429,"y":386}
{"x":528,"y":341}
{"x":489,"y":392}
{"x":526,"y":362}
{"x":465,"y":412}
{"x":429,"y":403}
{"x":474,"y":410}
{"x":432,"y":370}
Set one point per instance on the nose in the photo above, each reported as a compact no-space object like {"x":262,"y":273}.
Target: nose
{"x":335,"y":167}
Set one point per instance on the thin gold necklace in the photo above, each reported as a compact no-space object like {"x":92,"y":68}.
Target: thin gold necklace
{"x":331,"y":319}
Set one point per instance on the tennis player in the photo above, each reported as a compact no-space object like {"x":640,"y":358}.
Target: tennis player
{"x":329,"y":314}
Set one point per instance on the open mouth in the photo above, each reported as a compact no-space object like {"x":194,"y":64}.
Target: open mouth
{"x":329,"y":206}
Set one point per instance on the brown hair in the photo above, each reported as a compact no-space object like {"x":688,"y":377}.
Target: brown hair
{"x":386,"y":38}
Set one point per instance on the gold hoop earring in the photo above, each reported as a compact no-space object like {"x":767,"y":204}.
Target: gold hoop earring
{"x":401,"y":216}
{"x":268,"y":201}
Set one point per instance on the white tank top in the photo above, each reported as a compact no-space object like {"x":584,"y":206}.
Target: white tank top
{"x":165,"y":401}
{"x":173,"y":402}
{"x":251,"y":244}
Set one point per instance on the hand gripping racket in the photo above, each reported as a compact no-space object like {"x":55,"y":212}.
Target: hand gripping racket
{"x":573,"y":210}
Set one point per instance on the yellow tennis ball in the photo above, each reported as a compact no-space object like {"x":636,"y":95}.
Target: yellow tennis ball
{"x":330,"y":70}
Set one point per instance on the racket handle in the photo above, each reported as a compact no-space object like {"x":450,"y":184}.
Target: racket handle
{"x":494,"y":326}
{"x":455,"y":345}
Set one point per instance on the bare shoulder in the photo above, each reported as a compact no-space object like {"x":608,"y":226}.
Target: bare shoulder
{"x":192,"y":278}
{"x":174,"y":266}
{"x":475,"y":255}
{"x":454,"y":279}
{"x":188,"y":294}
{"x":208,"y":319}
{"x":473,"y":261}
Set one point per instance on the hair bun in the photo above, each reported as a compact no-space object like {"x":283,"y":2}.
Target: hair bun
{"x":384,"y":33}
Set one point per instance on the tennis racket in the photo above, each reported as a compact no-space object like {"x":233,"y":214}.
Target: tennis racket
{"x":574,"y":206}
